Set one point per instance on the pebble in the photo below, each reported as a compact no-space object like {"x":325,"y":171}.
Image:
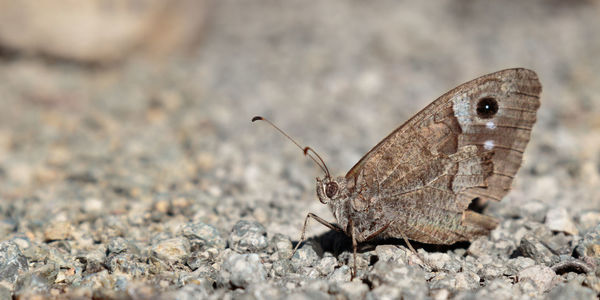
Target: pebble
{"x":243,"y":269}
{"x":326,"y":265}
{"x":306,"y":256}
{"x":531,"y":247}
{"x":12,"y":262}
{"x":384,"y":292}
{"x":58,"y":231}
{"x":572,"y":291}
{"x":466,"y":281}
{"x":589,"y":246}
{"x":355,"y":289}
{"x":282,"y":245}
{"x":588,"y":220}
{"x":172,"y":250}
{"x":558,"y":219}
{"x":543,"y":276}
{"x":202,"y":236}
{"x":248,"y":237}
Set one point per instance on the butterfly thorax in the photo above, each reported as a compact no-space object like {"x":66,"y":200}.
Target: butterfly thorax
{"x":355,"y":207}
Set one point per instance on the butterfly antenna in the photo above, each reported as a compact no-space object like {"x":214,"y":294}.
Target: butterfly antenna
{"x":305,"y":150}
{"x":325,"y":169}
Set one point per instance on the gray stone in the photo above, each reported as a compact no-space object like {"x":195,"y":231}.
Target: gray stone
{"x":12,"y":261}
{"x":202,"y":236}
{"x":572,"y":291}
{"x":515,"y":265}
{"x":558,"y":219}
{"x":496,"y":289}
{"x":306,"y":256}
{"x":172,"y":250}
{"x":404,"y":276}
{"x":589,"y":246}
{"x":282,"y":267}
{"x":542,"y":276}
{"x":326,"y":265}
{"x":341,"y":274}
{"x":282,"y":245}
{"x":588,"y":220}
{"x":533,"y":210}
{"x":37,"y":281}
{"x":437,"y":260}
{"x":248,"y":237}
{"x":390,"y":252}
{"x":119,"y":245}
{"x":531,"y":246}
{"x":384,"y":292}
{"x":355,"y":289}
{"x":243,"y":269}
{"x":466,"y":281}
{"x":188,"y":292}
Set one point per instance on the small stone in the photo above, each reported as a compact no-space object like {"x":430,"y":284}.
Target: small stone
{"x":530,"y":246}
{"x":384,"y":292}
{"x":282,"y":245}
{"x":440,"y":294}
{"x":119,"y":245}
{"x":37,"y":281}
{"x":248,"y":236}
{"x":203,"y":235}
{"x":480,"y":247}
{"x":558,"y":219}
{"x":399,"y":275}
{"x":341,"y":274}
{"x":437,"y":260}
{"x":390,"y":252}
{"x":282,"y":267}
{"x":327,"y":265}
{"x":172,"y":250}
{"x":515,"y":265}
{"x":58,"y":231}
{"x":534,"y":211}
{"x":355,"y":289}
{"x":93,"y":205}
{"x":306,"y":256}
{"x":243,"y":269}
{"x":589,"y":246}
{"x":12,"y":262}
{"x":188,"y":292}
{"x":571,"y":291}
{"x":542,"y":276}
{"x":466,"y":281}
{"x":588,"y":220}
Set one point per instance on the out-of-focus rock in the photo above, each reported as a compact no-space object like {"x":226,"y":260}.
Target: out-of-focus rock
{"x":100,"y":31}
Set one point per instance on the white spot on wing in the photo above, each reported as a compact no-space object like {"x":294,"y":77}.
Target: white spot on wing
{"x":462,"y":112}
{"x":488,"y":145}
{"x":490,"y":125}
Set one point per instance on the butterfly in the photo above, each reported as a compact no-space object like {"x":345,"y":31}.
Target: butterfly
{"x":418,"y":182}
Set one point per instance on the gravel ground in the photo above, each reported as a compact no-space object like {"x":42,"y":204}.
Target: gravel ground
{"x":148,"y":180}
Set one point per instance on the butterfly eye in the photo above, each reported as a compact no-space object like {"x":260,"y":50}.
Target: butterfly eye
{"x":487,"y":107}
{"x":331,"y":189}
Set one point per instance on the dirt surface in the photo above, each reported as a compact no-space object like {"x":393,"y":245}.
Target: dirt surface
{"x":130,"y":180}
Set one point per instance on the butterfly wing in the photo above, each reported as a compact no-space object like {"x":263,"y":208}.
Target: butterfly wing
{"x":467,"y":144}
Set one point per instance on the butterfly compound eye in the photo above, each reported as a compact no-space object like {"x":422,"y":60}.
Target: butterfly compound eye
{"x":331,"y":189}
{"x":487,"y":107}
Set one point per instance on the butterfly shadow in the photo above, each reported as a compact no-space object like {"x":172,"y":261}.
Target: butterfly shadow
{"x":336,"y":243}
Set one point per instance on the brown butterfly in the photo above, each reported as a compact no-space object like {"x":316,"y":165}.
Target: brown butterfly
{"x":418,"y":182}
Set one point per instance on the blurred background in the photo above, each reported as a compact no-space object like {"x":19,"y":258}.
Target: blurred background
{"x":144,"y":106}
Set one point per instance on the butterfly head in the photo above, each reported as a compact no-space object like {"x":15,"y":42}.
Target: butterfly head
{"x":329,"y":189}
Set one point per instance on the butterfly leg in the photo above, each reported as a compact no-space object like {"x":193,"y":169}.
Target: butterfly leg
{"x":416,"y":253}
{"x":331,"y":226}
{"x":354,"y":246}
